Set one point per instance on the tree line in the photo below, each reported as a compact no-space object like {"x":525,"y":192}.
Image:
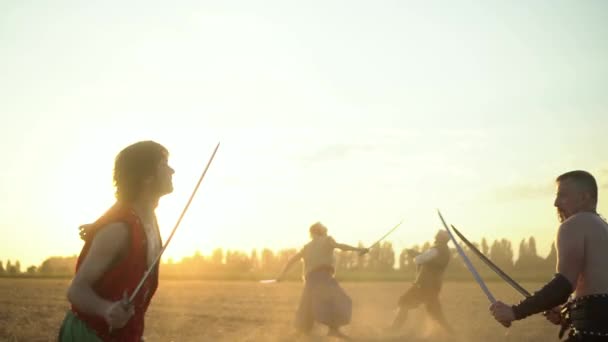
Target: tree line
{"x":381,"y":263}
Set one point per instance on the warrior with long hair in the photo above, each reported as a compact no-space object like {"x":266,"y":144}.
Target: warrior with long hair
{"x":119,"y":248}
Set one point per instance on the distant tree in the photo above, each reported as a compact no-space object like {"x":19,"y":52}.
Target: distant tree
{"x":551,"y":259}
{"x":217,"y":256}
{"x":58,"y":265}
{"x":485,"y":249}
{"x":1,"y":268}
{"x":342,"y":260}
{"x":501,"y":253}
{"x":346,"y":260}
{"x":238,"y":261}
{"x":360,"y":261}
{"x":523,"y":250}
{"x":268,"y":260}
{"x":31,"y":270}
{"x":255,"y":261}
{"x":197,"y":262}
{"x":508,"y":250}
{"x":532,"y":246}
{"x":474,"y":259}
{"x":12,"y":269}
{"x":403,"y":260}
{"x":528,"y":260}
{"x":373,"y":259}
{"x":386,"y":260}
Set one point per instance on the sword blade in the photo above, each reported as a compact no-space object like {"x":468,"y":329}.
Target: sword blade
{"x":493,"y":266}
{"x":385,"y":235}
{"x":467,"y":262}
{"x":151,"y":268}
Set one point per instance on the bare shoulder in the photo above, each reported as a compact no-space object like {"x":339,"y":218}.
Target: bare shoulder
{"x":115,"y":229}
{"x":112,"y":236}
{"x":580,"y":224}
{"x":109,"y":243}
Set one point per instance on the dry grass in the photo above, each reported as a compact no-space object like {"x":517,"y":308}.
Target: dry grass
{"x":32,"y":310}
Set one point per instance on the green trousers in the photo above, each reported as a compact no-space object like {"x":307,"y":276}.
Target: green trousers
{"x":75,"y":330}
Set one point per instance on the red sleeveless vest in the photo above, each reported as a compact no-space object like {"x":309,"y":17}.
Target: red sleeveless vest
{"x":124,"y":275}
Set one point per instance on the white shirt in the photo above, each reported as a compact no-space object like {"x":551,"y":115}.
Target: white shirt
{"x":318,"y":252}
{"x":427,"y":256}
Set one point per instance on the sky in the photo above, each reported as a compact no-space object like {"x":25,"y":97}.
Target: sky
{"x":357,"y":114}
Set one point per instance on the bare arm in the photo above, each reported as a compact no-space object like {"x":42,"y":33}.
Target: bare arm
{"x":295,"y":258}
{"x":346,"y":247}
{"x":570,"y":261}
{"x":570,"y":251}
{"x":107,"y":246}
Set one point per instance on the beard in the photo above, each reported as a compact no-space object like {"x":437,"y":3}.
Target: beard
{"x":561,"y":216}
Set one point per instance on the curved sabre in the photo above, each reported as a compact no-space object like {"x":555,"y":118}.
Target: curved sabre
{"x":468,"y":262}
{"x":490,"y":264}
{"x":503,"y":275}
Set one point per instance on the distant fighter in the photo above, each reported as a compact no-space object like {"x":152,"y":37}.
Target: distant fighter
{"x":323,"y":300}
{"x":430,"y":267}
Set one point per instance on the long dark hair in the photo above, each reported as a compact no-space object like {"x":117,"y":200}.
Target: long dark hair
{"x":133,"y":164}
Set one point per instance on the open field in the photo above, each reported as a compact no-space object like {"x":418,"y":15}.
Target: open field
{"x":32,"y":310}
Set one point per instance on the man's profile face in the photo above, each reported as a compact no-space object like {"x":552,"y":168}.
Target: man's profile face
{"x":163,"y":180}
{"x":569,"y":199}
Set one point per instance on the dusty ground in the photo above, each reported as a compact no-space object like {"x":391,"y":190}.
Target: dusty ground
{"x":32,"y":310}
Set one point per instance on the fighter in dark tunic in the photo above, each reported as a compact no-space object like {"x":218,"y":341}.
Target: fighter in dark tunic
{"x":430,"y":265}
